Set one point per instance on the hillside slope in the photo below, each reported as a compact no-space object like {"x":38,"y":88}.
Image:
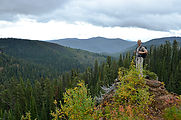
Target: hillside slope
{"x":16,"y":69}
{"x":49,"y":54}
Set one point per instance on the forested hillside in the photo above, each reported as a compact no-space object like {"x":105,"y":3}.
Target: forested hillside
{"x":29,"y":71}
{"x":49,"y":54}
{"x":15,"y":69}
{"x":17,"y":78}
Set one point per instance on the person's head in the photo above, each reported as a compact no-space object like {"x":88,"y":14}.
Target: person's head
{"x":139,"y":42}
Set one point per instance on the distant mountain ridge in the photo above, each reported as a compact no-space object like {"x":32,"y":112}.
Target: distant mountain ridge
{"x":156,"y":42}
{"x":159,"y":41}
{"x":96,"y":44}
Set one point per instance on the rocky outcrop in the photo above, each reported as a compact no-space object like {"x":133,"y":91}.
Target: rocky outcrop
{"x":162,"y":98}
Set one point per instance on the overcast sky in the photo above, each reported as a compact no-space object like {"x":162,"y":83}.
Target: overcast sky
{"x":56,"y":19}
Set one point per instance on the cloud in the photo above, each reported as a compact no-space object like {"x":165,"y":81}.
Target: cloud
{"x":32,"y":29}
{"x":159,"y":15}
{"x":13,"y":9}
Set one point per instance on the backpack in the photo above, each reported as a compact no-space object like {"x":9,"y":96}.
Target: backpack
{"x":142,"y":55}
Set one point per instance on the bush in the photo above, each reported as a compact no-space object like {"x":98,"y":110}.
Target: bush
{"x":151,"y":75}
{"x":77,"y":104}
{"x":27,"y":116}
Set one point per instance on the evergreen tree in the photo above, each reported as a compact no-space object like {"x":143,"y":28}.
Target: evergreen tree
{"x":120,"y":62}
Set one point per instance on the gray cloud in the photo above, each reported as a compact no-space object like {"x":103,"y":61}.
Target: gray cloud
{"x":151,"y":14}
{"x":162,"y":15}
{"x":10,"y":9}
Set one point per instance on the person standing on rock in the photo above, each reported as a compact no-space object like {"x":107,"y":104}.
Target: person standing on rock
{"x":141,"y":52}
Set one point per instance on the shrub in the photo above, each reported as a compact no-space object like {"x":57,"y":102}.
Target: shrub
{"x":151,"y":75}
{"x":27,"y":116}
{"x":77,"y":104}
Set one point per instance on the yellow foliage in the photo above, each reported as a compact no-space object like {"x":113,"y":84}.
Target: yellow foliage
{"x":27,"y":116}
{"x":131,"y":98}
{"x":77,"y":104}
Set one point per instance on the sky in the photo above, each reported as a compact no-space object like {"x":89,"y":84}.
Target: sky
{"x":57,"y":19}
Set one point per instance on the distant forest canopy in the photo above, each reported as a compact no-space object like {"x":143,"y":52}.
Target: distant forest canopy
{"x":49,"y":55}
{"x":29,"y":86}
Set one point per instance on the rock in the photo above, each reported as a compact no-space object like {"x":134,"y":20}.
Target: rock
{"x":162,"y":98}
{"x":156,"y":87}
{"x":153,"y":83}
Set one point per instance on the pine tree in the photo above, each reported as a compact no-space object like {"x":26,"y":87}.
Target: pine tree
{"x":174,"y":55}
{"x":178,"y":79}
{"x":120,"y":62}
{"x":127,"y":60}
{"x":96,"y":73}
{"x":114,"y":69}
{"x":108,"y":71}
